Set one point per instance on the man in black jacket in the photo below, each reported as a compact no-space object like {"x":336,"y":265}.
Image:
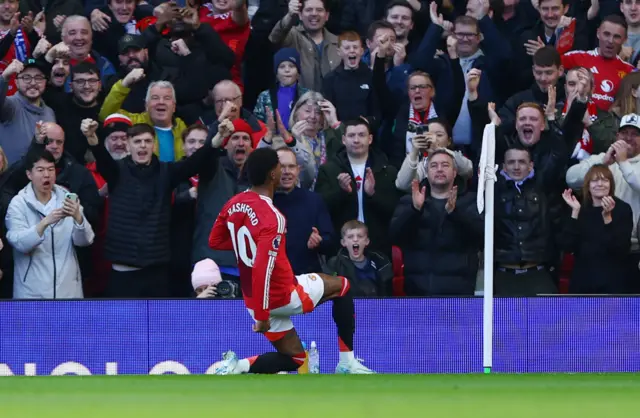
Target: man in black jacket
{"x":359,"y":184}
{"x":440,"y":232}
{"x":83,"y":102}
{"x":524,"y":240}
{"x":350,"y":86}
{"x":132,"y":53}
{"x":140,"y":193}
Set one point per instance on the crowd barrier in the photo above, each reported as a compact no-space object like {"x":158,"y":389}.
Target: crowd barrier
{"x":430,"y":335}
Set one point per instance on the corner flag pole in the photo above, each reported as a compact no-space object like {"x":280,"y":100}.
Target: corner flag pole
{"x":487,"y":178}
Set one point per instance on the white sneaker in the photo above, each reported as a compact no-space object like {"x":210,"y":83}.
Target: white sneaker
{"x":228,"y":364}
{"x":353,"y":367}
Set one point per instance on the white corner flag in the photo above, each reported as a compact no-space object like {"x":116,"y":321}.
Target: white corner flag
{"x":487,"y":178}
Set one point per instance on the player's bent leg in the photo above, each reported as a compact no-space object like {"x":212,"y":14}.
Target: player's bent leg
{"x":337,"y":289}
{"x":289,"y":357}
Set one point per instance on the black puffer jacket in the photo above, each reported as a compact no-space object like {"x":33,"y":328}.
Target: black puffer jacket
{"x":522,"y":223}
{"x":440,"y":250}
{"x":343,"y":266}
{"x":140,"y":196}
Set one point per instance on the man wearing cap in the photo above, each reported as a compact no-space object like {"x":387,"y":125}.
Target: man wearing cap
{"x":20,"y":112}
{"x":113,"y":22}
{"x":223,"y":178}
{"x":132,"y":53}
{"x":623,"y":159}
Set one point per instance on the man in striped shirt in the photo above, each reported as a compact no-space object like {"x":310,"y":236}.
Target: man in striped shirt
{"x":251,"y":226}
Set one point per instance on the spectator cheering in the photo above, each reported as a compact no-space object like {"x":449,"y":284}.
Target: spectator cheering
{"x":20,"y":112}
{"x":44,"y":223}
{"x":439,"y":231}
{"x":317,"y":46}
{"x":599,"y":235}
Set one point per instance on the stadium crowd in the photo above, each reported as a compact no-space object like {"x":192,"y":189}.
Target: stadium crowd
{"x":125,"y":126}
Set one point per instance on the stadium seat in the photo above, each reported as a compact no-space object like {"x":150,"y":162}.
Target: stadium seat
{"x":566,"y":267}
{"x":398,"y":272}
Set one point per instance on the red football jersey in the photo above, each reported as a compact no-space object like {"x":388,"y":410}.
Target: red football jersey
{"x":251,"y":226}
{"x":607,"y":73}
{"x":232,"y":34}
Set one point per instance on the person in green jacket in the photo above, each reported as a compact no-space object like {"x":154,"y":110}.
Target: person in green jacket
{"x":161,"y":107}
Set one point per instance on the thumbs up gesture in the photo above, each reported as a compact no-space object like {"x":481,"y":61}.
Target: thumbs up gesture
{"x":314,"y":239}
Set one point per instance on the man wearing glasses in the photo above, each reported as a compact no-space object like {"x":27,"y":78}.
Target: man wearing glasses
{"x":20,"y":112}
{"x":83,"y":102}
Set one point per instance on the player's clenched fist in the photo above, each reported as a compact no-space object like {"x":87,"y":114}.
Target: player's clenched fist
{"x":133,"y":77}
{"x":88,"y":127}
{"x":294,"y":7}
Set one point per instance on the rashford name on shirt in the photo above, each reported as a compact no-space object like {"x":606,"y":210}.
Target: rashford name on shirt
{"x":244,"y":208}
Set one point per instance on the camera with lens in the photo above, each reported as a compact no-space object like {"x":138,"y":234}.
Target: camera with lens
{"x":228,"y":289}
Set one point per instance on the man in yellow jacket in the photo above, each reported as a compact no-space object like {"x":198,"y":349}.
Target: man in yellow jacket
{"x":161,"y":106}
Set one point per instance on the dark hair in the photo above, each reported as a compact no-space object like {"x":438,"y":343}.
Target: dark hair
{"x":402,"y":3}
{"x":191,"y":128}
{"x":139,"y":129}
{"x":37,"y":154}
{"x":378,"y":24}
{"x":564,"y":2}
{"x":518,"y":146}
{"x":547,"y":56}
{"x":259,"y":164}
{"x":445,"y":125}
{"x":84,"y":67}
{"x":325,"y":3}
{"x":356,"y":122}
{"x":616,"y":20}
{"x":467,"y":20}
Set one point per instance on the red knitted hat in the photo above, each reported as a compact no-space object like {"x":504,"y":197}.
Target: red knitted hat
{"x":239,"y":125}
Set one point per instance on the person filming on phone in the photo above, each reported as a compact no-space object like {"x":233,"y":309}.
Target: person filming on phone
{"x":44,"y":225}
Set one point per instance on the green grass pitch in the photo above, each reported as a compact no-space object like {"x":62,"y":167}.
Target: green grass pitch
{"x":251,"y":396}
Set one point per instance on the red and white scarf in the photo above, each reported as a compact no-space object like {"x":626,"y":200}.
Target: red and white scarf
{"x":584,"y":147}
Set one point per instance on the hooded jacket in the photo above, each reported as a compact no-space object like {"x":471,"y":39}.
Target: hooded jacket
{"x":45,"y":266}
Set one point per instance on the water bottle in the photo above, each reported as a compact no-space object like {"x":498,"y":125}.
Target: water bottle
{"x":304,"y":368}
{"x":314,"y":358}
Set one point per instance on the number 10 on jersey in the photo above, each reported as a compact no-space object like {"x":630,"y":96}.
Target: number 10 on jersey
{"x":240,"y":240}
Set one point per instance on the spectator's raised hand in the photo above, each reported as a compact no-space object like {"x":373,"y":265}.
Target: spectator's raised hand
{"x":452,"y":47}
{"x":295,"y":6}
{"x":41,"y":132}
{"x":228,"y":108}
{"x":60,"y":50}
{"x":315,"y":239}
{"x":58,"y":21}
{"x":451,"y":200}
{"x":298,"y":128}
{"x":369,"y":182}
{"x":344,"y":180}
{"x":572,"y":202}
{"x":282,"y":130}
{"x":550,"y":108}
{"x":208,"y":293}
{"x":133,"y":77}
{"x":53,"y":217}
{"x":42,"y":47}
{"x":608,"y":203}
{"x":14,"y":23}
{"x":16,"y":67}
{"x":191,"y":17}
{"x":533,"y":45}
{"x":88,"y":127}
{"x":329,"y":112}
{"x":72,"y":208}
{"x":473,"y":80}
{"x":621,"y":151}
{"x":225,"y":130}
{"x":609,"y":156}
{"x":179,"y":47}
{"x":27,"y":22}
{"x":193,"y":192}
{"x":436,"y":18}
{"x":40,"y":22}
{"x":99,"y":21}
{"x":165,"y":14}
{"x":418,"y":195}
{"x":399,"y":55}
{"x":493,"y":115}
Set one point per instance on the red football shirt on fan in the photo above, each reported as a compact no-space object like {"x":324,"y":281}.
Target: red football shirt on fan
{"x":607,"y":73}
{"x":251,"y":226}
{"x":232,"y":34}
{"x":10,"y":56}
